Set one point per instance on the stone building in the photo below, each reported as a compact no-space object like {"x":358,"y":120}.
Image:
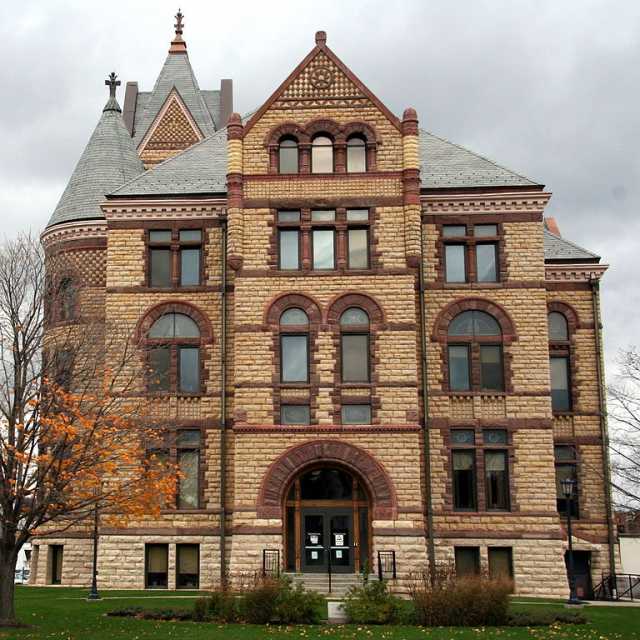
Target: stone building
{"x":364,"y":339}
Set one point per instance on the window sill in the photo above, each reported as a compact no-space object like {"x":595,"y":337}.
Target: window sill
{"x":179,"y":396}
{"x":471,"y":394}
{"x":563,"y":414}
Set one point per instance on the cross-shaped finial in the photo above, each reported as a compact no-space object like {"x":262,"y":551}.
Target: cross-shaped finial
{"x":112,"y":83}
{"x":178,"y":25}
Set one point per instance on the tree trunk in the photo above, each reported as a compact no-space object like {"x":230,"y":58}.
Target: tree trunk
{"x":7,"y":591}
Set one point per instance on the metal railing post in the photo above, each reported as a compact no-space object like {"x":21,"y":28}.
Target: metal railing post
{"x":329,"y":567}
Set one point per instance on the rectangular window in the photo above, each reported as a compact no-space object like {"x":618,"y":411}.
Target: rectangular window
{"x":491,"y":375}
{"x":467,"y":561}
{"x":485,"y":230}
{"x":355,"y":358}
{"x":486,"y":262}
{"x":187,"y":566}
{"x":156,"y":565}
{"x":496,"y":480}
{"x":189,"y":369}
{"x":455,"y":263}
{"x":567,"y":469}
{"x":190,"y":256}
{"x":289,"y":241}
{"x":56,"y":554}
{"x":323,"y":248}
{"x":288,"y":216}
{"x":188,"y":460}
{"x":294,"y":358}
{"x":500,"y":562}
{"x":464,"y":480}
{"x":357,"y":215}
{"x":321,"y":215}
{"x":454,"y":230}
{"x":295,"y":414}
{"x":459,"y":379}
{"x":356,"y":414}
{"x":159,"y":369}
{"x":358,"y":248}
{"x":560,"y":389}
{"x":160,"y":267}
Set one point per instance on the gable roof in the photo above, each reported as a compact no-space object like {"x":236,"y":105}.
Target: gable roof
{"x":176,"y":73}
{"x":108,"y":160}
{"x":445,"y":164}
{"x":557,"y":249}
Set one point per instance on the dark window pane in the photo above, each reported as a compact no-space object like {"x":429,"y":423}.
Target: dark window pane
{"x":289,"y":249}
{"x":358,"y":248}
{"x":190,"y":235}
{"x":189,"y":267}
{"x":567,"y":472}
{"x":322,"y":155}
{"x":288,"y":156}
{"x":454,"y":230}
{"x":355,"y":358}
{"x":188,"y":438}
{"x":464,"y":481}
{"x":480,"y":230}
{"x":188,"y":464}
{"x":163,"y":327}
{"x":455,"y":263}
{"x":294,"y":317}
{"x":496,"y":479}
{"x":188,"y":569}
{"x":185,"y":327}
{"x":459,"y":368}
{"x":485,"y":325}
{"x":500,"y":562}
{"x":295,"y":414}
{"x":463,"y":436}
{"x":494,"y":436}
{"x":558,"y":329}
{"x":357,"y":215}
{"x":564,"y":452}
{"x":356,"y":155}
{"x":160,"y":267}
{"x":491,"y":368}
{"x":486,"y":263}
{"x":160,"y":236}
{"x":560,"y":396}
{"x":294,"y":358}
{"x":189,"y":369}
{"x":321,"y":215}
{"x":462,"y":324}
{"x":67,"y":299}
{"x":157,"y":565}
{"x":159,"y":364}
{"x":323,"y":249}
{"x":356,"y":414}
{"x":467,"y":561}
{"x":326,"y":484}
{"x":354,"y":316}
{"x":288,"y":216}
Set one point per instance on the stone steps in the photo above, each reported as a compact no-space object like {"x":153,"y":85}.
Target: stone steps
{"x":319,"y":582}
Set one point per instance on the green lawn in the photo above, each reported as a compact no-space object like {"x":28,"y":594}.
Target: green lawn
{"x":64,"y":614}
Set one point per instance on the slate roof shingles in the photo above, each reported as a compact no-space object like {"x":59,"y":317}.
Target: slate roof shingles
{"x":559,"y":249}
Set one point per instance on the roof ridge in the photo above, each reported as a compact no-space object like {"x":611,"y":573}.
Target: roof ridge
{"x":569,"y":242}
{"x":479,"y":155}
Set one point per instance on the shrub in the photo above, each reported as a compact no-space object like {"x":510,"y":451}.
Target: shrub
{"x":296,"y":605}
{"x":223,"y":606}
{"x":125,"y":612}
{"x":201,"y":610}
{"x":544,"y":618}
{"x":372,"y":604}
{"x":259,"y":603}
{"x":468,"y":601}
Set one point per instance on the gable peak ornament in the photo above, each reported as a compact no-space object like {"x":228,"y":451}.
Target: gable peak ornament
{"x":321,"y":77}
{"x":112,"y":83}
{"x":178,"y":45}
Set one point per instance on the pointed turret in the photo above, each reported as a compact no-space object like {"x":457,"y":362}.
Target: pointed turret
{"x":108,"y":161}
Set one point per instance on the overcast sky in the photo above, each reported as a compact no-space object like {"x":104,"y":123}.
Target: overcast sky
{"x":550,"y":89}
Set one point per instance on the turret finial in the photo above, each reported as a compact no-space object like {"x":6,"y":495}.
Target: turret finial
{"x":112,"y":83}
{"x":178,"y":25}
{"x":178,"y":45}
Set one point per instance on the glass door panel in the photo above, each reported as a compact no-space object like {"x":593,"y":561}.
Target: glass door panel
{"x":313,"y":540}
{"x":340,"y":533}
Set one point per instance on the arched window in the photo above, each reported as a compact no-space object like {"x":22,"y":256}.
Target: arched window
{"x":354,"y":345}
{"x":559,"y":362}
{"x":288,"y":155}
{"x":322,"y":154}
{"x":474,"y":349}
{"x":294,"y":346}
{"x":356,"y":154}
{"x":66,"y":300}
{"x":173,"y":341}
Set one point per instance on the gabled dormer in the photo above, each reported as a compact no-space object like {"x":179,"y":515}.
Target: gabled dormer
{"x":177,"y":113}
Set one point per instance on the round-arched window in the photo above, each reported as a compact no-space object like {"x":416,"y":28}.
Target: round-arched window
{"x":322,"y":154}
{"x":288,"y":155}
{"x":354,"y":345}
{"x":294,"y":346}
{"x":356,"y":154}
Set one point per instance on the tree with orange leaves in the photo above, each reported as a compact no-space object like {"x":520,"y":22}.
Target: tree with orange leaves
{"x":71,"y":440}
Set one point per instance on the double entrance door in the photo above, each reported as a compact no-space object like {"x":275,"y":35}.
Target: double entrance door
{"x":327,"y":540}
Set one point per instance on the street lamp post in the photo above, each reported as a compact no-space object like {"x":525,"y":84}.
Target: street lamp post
{"x":568,"y":488}
{"x":93,"y":593}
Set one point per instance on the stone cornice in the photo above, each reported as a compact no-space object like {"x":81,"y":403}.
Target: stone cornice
{"x":165,"y":209}
{"x":485,"y":203}
{"x":80,"y":230}
{"x":574,"y":272}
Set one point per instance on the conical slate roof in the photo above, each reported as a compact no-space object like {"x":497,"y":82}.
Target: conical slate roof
{"x":108,"y":161}
{"x":176,"y":72}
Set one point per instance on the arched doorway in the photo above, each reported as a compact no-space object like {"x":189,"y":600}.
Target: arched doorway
{"x":327,"y":521}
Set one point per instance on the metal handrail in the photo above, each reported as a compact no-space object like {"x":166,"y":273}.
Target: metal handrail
{"x":388,"y":566}
{"x":608,"y":587}
{"x":270,"y":562}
